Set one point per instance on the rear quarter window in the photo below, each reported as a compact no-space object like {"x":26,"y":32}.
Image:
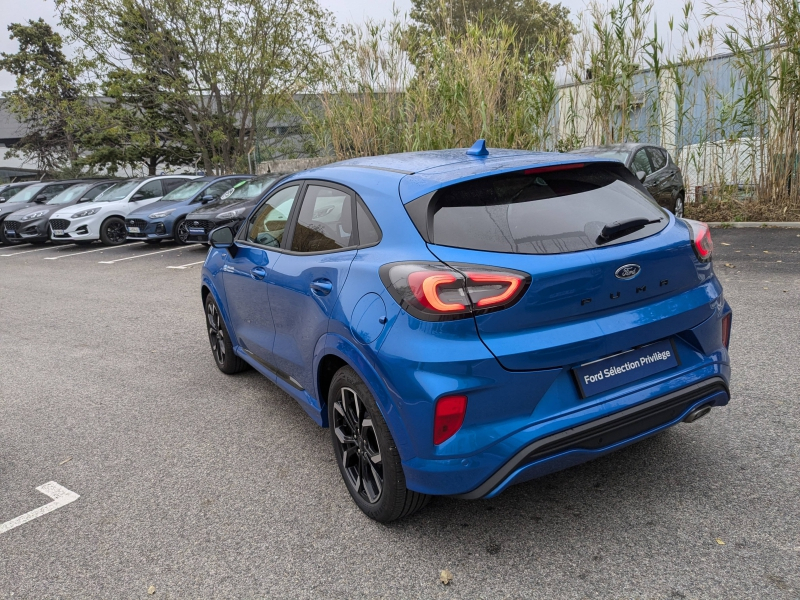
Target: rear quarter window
{"x":539,"y":211}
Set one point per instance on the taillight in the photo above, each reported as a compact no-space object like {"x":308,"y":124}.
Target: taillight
{"x":448,"y":417}
{"x":438,"y":292}
{"x":701,"y":239}
{"x":726,"y":330}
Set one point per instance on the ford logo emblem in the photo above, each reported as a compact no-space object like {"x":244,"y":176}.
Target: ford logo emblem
{"x":628,"y":271}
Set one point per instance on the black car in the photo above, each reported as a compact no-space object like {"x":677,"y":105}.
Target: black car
{"x":29,"y":224}
{"x":231,"y":210}
{"x":653,"y":166}
{"x":38,"y":193}
{"x":7,"y":190}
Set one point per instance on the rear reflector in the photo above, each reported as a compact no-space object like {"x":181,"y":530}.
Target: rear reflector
{"x":726,"y":330}
{"x":449,"y":417}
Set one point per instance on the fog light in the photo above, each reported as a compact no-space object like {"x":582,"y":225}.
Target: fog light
{"x":160,"y":228}
{"x":449,"y":417}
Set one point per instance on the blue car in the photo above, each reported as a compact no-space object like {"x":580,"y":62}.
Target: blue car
{"x":465,"y":320}
{"x":165,"y":219}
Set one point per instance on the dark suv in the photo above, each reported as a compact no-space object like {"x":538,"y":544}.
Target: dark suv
{"x":38,"y":193}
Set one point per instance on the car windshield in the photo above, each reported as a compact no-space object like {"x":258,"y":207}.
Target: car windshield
{"x":620,"y":155}
{"x":29,"y":193}
{"x":118,"y":191}
{"x":69,"y":194}
{"x":186,"y":191}
{"x":11,"y":191}
{"x":252,"y":188}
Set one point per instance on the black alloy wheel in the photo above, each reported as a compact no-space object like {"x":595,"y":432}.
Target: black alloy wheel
{"x":182,"y":232}
{"x":113,"y":232}
{"x":366,"y":453}
{"x":221,"y":346}
{"x":360,"y":450}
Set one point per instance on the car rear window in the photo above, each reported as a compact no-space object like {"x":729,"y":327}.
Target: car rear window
{"x":552,"y":210}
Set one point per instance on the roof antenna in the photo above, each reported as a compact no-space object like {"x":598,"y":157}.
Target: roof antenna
{"x":478,"y":149}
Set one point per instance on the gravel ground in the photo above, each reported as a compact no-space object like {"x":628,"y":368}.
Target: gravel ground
{"x":206,"y":485}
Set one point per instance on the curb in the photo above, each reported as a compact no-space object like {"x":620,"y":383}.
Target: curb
{"x":784,"y":224}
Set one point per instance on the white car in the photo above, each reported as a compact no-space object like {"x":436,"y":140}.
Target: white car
{"x":104,"y":218}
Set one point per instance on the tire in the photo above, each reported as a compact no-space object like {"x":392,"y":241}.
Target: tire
{"x":181,"y":232}
{"x":152,"y":242}
{"x":221,"y":346}
{"x":677,"y":210}
{"x":360,"y":440}
{"x":113,"y":232}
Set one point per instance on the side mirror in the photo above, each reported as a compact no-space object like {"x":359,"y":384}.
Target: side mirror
{"x":41,"y":199}
{"x":207,"y":198}
{"x":641,"y":176}
{"x":137,"y":196}
{"x":221,"y":237}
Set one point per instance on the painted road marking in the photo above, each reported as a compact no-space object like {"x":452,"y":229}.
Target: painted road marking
{"x":89,"y":251}
{"x":189,"y":265}
{"x":61,"y":497}
{"x":26,"y":251}
{"x":111,"y":262}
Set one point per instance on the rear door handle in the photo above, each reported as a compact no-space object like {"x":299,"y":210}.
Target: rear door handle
{"x":321,"y":287}
{"x":258,"y":272}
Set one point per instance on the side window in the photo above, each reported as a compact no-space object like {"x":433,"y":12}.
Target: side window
{"x":173,"y":184}
{"x":151,"y":189}
{"x":95,"y":191}
{"x":368,"y":231}
{"x":325,"y":222}
{"x":641,"y":163}
{"x":53,"y":190}
{"x":269,"y":225}
{"x":216,"y":190}
{"x":657,"y":158}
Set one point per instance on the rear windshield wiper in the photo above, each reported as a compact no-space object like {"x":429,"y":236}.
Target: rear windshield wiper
{"x":620,"y":228}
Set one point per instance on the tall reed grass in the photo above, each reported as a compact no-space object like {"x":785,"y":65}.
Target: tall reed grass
{"x":720,"y":90}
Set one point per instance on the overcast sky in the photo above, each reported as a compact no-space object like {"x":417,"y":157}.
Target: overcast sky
{"x":14,"y":11}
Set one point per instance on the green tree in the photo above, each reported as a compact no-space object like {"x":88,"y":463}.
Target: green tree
{"x":218,"y":63}
{"x":539,"y":25}
{"x":48,"y":97}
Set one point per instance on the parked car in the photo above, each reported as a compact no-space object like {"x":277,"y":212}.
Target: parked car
{"x":230,"y":210}
{"x":165,"y":219}
{"x":654,"y":167}
{"x":10,"y":189}
{"x":464,"y":322}
{"x":30,"y":223}
{"x":104,"y":219}
{"x":38,"y":193}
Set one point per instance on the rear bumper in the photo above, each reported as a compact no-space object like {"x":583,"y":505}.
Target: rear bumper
{"x":595,"y":438}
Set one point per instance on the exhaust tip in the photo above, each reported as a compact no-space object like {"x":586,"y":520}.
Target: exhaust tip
{"x":697,"y":413}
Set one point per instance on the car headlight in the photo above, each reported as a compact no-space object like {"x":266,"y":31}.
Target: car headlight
{"x":35,"y":215}
{"x":161,"y":214}
{"x":230,"y":214}
{"x":85,"y":213}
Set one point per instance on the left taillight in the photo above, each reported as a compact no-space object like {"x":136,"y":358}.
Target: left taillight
{"x":701,"y":239}
{"x":438,"y":292}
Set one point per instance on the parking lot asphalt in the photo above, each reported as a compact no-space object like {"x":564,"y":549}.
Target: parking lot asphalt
{"x":197,"y":484}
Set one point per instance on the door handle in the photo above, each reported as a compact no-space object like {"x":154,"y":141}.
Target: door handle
{"x":321,"y":287}
{"x":258,"y":273}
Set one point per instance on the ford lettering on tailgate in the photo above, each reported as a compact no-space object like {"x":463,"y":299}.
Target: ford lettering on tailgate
{"x":620,"y":369}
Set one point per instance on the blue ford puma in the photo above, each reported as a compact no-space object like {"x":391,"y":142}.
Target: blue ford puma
{"x":465,"y":320}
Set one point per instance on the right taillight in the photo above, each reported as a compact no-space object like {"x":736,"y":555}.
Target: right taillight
{"x":438,"y":292}
{"x":701,"y":239}
{"x":726,"y":330}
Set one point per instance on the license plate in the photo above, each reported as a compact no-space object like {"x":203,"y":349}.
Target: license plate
{"x":133,"y":230}
{"x":10,"y":232}
{"x":58,"y":232}
{"x":196,"y":231}
{"x":608,"y":373}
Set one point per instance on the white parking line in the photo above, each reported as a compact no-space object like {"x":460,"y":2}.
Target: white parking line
{"x":90,"y":251}
{"x":26,"y":251}
{"x":111,"y":262}
{"x":189,"y":265}
{"x":61,"y":497}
